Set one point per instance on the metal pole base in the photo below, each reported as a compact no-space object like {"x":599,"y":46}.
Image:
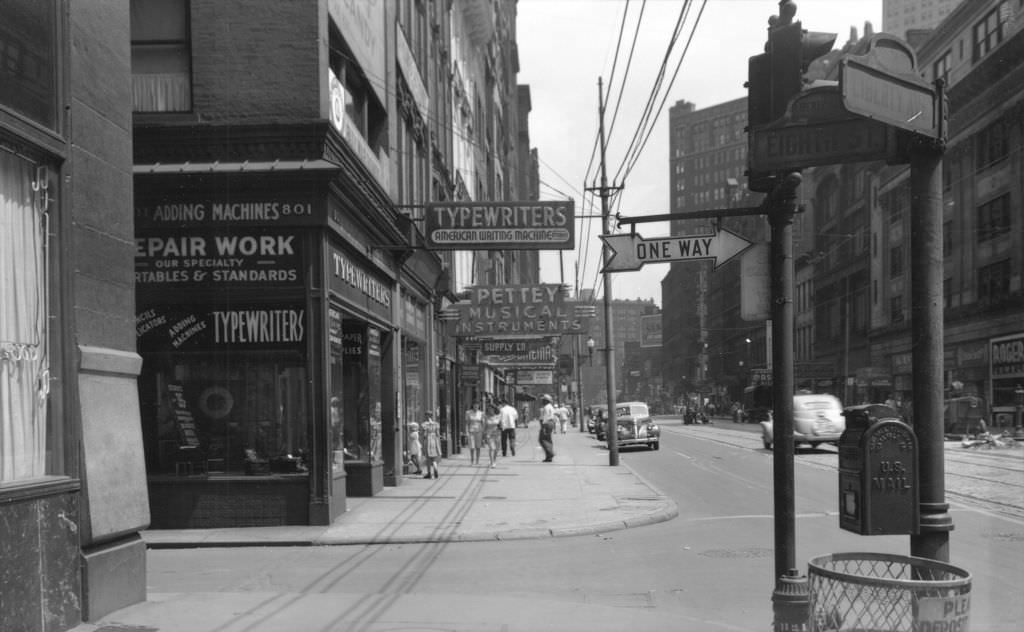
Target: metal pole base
{"x":791,"y":603}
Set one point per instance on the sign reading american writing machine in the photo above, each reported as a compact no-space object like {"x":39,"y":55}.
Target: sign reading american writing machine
{"x":518,"y":310}
{"x":500,"y":225}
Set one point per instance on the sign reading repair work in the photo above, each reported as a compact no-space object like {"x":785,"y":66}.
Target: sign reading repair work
{"x":523,"y":311}
{"x":468,"y":225}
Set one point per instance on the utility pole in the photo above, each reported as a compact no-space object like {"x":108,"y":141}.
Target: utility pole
{"x":604,"y":191}
{"x":576,"y":359}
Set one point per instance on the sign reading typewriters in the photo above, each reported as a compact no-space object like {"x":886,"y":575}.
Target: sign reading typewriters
{"x":471,"y":225}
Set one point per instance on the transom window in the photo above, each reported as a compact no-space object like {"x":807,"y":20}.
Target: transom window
{"x":161,"y":58}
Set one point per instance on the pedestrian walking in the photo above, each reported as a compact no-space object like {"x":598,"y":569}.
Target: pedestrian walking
{"x":431,"y":445}
{"x":414,"y":448}
{"x":509,"y":418}
{"x":492,"y":433}
{"x":475,"y":432}
{"x":547,"y":428}
{"x":562,"y":416}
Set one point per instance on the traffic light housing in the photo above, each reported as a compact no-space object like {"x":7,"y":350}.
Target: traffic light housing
{"x":777,"y":75}
{"x":791,"y":50}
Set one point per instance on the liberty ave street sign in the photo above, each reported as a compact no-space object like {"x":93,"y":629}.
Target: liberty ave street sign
{"x":887,"y":98}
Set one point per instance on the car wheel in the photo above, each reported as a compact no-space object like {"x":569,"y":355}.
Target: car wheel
{"x":767,"y":444}
{"x":656,"y":445}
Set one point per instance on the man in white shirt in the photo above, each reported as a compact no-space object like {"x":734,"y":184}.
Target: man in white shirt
{"x":508,"y":416}
{"x":562,"y":415}
{"x":547,"y":428}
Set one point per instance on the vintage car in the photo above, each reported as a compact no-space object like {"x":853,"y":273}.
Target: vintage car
{"x":635,"y":427}
{"x":817,"y":419}
{"x":595,"y":414}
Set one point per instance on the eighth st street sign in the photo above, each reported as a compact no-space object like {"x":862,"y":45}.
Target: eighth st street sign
{"x":823,"y":143}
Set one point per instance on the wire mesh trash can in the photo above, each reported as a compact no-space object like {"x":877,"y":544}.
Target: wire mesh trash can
{"x":878,"y":592}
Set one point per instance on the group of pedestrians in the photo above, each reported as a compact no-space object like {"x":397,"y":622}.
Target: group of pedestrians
{"x":495,"y":427}
{"x":425,"y":452}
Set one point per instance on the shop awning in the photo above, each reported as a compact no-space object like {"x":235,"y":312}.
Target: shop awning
{"x":246,"y":166}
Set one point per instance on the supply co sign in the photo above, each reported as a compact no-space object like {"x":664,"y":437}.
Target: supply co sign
{"x":500,"y":225}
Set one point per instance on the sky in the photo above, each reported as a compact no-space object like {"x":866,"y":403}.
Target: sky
{"x":565,"y":46}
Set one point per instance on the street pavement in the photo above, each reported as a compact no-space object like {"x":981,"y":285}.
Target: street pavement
{"x":521,"y":498}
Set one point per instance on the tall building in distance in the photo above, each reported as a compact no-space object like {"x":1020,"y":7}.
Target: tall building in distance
{"x":705,"y":346}
{"x":900,"y":16}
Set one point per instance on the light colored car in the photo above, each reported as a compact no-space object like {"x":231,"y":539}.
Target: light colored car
{"x":635,"y":427}
{"x":622,"y":409}
{"x":817,"y":419}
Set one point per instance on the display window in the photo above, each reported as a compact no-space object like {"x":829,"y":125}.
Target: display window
{"x":355,"y":402}
{"x":30,"y":432}
{"x":243,"y":413}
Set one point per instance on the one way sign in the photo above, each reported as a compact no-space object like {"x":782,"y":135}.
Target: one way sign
{"x":631,"y":251}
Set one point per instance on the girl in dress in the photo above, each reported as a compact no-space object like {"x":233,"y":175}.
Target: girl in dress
{"x":492,"y":433}
{"x":431,"y":444}
{"x":474,"y":432}
{"x":414,"y":448}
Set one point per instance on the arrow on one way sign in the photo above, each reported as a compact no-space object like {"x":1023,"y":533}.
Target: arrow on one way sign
{"x":631,"y":251}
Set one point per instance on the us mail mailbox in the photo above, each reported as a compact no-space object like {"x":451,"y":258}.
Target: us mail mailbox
{"x":878,"y":485}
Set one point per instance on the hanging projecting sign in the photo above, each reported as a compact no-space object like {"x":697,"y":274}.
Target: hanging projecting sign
{"x":469,"y":225}
{"x":516,"y":352}
{"x":524,"y":311}
{"x":631,"y":251}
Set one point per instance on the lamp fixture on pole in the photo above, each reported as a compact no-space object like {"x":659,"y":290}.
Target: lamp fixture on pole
{"x":590,"y":350}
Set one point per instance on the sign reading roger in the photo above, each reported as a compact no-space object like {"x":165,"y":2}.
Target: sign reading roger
{"x":471,"y":225}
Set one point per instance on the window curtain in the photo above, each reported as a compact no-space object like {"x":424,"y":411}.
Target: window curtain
{"x":24,"y":370}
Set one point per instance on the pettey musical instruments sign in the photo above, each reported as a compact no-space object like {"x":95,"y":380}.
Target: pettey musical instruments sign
{"x":523,"y":311}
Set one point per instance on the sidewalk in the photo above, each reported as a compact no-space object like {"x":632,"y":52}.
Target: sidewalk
{"x":521,"y":498}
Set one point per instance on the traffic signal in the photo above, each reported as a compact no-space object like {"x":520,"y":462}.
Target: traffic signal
{"x":791,"y":50}
{"x":777,"y":75}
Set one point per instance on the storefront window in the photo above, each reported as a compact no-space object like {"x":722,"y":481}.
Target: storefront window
{"x":361,"y":386}
{"x":29,"y":449}
{"x":238,"y":413}
{"x":27,"y":69}
{"x":412,"y":364}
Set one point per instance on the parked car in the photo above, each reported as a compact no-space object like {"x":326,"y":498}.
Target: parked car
{"x":756,"y":404}
{"x":597,"y":412}
{"x":630,"y":417}
{"x":637,"y":428}
{"x":817,"y":419}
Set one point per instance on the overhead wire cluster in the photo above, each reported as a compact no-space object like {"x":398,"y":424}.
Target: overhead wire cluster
{"x":615,"y":90}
